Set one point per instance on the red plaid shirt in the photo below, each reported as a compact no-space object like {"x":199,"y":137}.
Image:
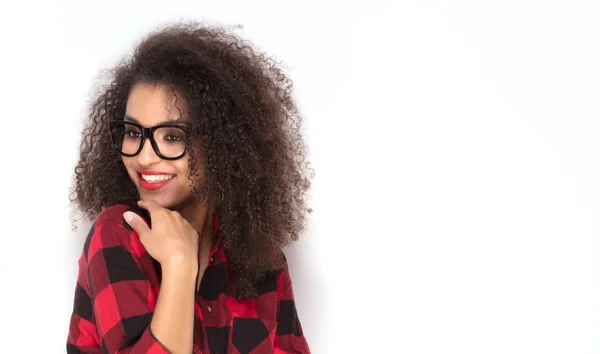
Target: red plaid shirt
{"x":118,"y":285}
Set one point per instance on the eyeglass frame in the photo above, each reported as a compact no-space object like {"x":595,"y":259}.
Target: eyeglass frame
{"x":147,"y":133}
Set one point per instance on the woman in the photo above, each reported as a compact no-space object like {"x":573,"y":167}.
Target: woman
{"x":193,"y":167}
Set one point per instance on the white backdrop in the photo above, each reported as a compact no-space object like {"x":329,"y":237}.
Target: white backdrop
{"x":456,"y":146}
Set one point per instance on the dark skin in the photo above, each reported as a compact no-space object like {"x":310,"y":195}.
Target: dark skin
{"x":149,"y":106}
{"x":173,"y":242}
{"x":178,"y":218}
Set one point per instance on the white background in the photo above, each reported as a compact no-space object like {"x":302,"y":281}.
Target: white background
{"x":456,"y":146}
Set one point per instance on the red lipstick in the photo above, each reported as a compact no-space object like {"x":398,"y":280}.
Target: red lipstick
{"x":153,"y":185}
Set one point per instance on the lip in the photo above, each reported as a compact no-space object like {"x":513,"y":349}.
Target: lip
{"x":156,"y":185}
{"x":150,"y":172}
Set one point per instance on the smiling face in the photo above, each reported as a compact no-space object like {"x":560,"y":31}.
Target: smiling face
{"x":164,"y":181}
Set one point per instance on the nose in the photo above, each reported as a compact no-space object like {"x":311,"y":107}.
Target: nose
{"x":147,"y":156}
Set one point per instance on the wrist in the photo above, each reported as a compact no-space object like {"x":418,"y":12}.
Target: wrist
{"x":180,"y":267}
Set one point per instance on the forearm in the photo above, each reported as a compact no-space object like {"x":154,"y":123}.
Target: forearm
{"x":173,"y":320}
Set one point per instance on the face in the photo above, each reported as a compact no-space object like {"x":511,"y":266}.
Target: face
{"x":164,"y":181}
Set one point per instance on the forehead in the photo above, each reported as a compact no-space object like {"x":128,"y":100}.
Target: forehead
{"x":151,"y":105}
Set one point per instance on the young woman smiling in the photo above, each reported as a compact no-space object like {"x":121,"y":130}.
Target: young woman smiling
{"x":194,"y":170}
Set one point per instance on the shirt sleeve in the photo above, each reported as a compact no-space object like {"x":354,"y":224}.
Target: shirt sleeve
{"x":289,"y":335}
{"x":114,"y":301}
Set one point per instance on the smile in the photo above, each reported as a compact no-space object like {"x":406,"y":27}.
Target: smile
{"x":156,"y":178}
{"x":151,"y":181}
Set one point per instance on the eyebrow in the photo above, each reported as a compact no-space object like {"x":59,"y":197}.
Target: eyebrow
{"x":166,"y":121}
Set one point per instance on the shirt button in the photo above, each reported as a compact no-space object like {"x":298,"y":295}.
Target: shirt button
{"x":208,"y":308}
{"x":211,"y":259}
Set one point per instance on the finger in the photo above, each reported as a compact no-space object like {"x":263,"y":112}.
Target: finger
{"x":149,"y":205}
{"x":136,"y":223}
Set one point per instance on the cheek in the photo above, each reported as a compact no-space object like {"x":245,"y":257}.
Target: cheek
{"x":128,"y":166}
{"x":182,"y":167}
{"x":127,"y":163}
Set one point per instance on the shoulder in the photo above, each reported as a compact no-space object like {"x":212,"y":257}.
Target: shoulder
{"x":109,"y":231}
{"x":112,"y":214}
{"x":282,"y":274}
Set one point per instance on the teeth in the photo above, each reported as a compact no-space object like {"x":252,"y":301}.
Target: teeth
{"x":156,"y":178}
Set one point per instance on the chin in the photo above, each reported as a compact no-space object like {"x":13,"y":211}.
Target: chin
{"x":166,"y":201}
{"x":159,"y":199}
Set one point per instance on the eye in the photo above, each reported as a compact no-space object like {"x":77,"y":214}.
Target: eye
{"x":132,"y":134}
{"x":170,"y":135}
{"x":174,"y":138}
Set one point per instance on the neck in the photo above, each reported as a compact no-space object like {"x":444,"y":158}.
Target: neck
{"x":201,"y":217}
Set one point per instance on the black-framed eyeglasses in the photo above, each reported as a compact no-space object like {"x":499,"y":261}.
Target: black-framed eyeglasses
{"x":169,"y":141}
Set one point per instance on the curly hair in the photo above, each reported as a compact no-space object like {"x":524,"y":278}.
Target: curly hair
{"x":247,"y":129}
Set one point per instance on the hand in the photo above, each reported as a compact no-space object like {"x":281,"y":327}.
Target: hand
{"x":171,"y":240}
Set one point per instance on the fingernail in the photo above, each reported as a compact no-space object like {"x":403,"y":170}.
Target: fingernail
{"x":128,"y":216}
